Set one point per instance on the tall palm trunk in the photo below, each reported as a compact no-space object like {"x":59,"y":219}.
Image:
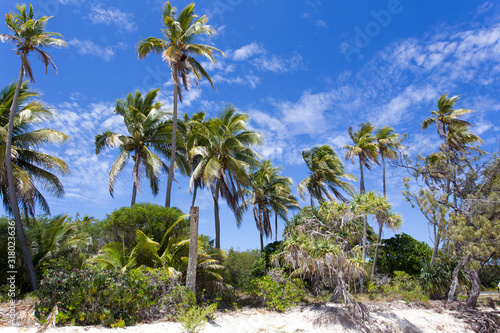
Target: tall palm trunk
{"x":365,"y":222}
{"x":173,"y":148}
{"x":312,"y":202}
{"x":12,"y":188}
{"x":380,"y":225}
{"x":136,"y":179}
{"x":195,"y":191}
{"x":276,"y":226}
{"x":261,"y":240}
{"x":216,"y":213}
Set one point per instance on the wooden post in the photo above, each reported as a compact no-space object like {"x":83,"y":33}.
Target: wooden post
{"x":193,"y":250}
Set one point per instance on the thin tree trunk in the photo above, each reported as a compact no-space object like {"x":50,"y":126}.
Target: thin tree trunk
{"x":26,"y":215}
{"x":454,"y":279}
{"x":12,"y":188}
{"x":312,"y":202}
{"x":136,"y":178}
{"x":365,"y":222}
{"x":193,"y":250}
{"x":261,"y":240}
{"x":276,"y":225}
{"x":216,"y":213}
{"x":380,"y":226}
{"x":437,"y":240}
{"x":475,"y":287}
{"x":173,"y":148}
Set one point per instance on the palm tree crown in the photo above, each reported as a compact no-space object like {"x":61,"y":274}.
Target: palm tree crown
{"x":146,"y":126}
{"x":326,"y":172}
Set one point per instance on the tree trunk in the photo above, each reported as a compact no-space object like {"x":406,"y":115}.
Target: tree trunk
{"x":193,"y":250}
{"x":195,"y":191}
{"x":475,"y":286}
{"x":216,"y":213}
{"x":276,"y":226}
{"x":365,"y":222}
{"x":137,"y":160}
{"x":261,"y":241}
{"x":437,"y":240}
{"x":12,"y":188}
{"x":312,"y":201}
{"x":173,"y":148}
{"x":454,"y":279}
{"x":380,"y":227}
{"x":26,"y":215}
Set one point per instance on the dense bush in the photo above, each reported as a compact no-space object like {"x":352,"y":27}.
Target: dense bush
{"x":404,"y":286}
{"x":238,"y":267}
{"x":151,"y":219}
{"x":276,"y":292}
{"x":262,"y":265}
{"x":435,"y":280}
{"x":403,"y":253}
{"x":92,"y":297}
{"x":490,"y":276}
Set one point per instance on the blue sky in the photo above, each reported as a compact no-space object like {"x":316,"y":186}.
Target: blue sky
{"x":303,"y":70}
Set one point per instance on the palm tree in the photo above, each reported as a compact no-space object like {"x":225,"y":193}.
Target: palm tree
{"x":326,"y":171}
{"x":29,"y":35}
{"x":268,"y":192}
{"x":223,"y":148}
{"x":387,"y":141}
{"x":177,"y":50}
{"x":445,"y":116}
{"x":367,"y":152}
{"x":146,"y":125}
{"x":30,"y":167}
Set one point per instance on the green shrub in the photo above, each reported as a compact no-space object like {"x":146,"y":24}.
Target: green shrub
{"x":275,"y":292}
{"x":92,"y":297}
{"x":194,"y":318}
{"x":436,"y":280}
{"x":238,"y":267}
{"x":490,"y":275}
{"x":404,"y":286}
{"x":151,"y":219}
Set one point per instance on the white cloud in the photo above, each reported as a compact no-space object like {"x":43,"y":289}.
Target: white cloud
{"x":87,"y":47}
{"x":248,"y":51}
{"x":123,"y":21}
{"x":277,"y":64}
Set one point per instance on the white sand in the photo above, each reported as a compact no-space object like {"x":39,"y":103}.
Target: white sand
{"x":390,"y":317}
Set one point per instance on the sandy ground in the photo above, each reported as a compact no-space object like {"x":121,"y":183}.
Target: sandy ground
{"x":390,"y":317}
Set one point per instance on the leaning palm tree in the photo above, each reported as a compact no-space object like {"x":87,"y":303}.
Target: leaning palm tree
{"x":177,"y":49}
{"x":223,"y":148}
{"x":30,"y":167}
{"x":29,"y":35}
{"x":146,"y":125}
{"x":326,"y":171}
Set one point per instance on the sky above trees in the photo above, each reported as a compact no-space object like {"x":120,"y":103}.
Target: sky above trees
{"x":303,"y":70}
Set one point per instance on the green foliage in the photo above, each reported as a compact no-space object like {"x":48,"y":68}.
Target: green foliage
{"x":238,"y":266}
{"x":490,"y":276}
{"x":264,"y":263}
{"x":194,"y":318}
{"x":435,"y":279}
{"x":92,"y":297}
{"x":276,"y":292}
{"x":153,"y":220}
{"x":403,"y":253}
{"x":406,"y":287}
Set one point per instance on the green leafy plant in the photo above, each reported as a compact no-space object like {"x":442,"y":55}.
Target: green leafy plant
{"x":276,"y":293}
{"x":194,"y":318}
{"x":404,"y":286}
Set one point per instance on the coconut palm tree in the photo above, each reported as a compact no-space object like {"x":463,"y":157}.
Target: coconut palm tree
{"x":178,"y":49}
{"x":326,"y":171}
{"x":387,"y":141}
{"x":29,"y":35}
{"x":30,"y":167}
{"x":446,"y":116}
{"x":223,"y":149}
{"x":366,"y":150}
{"x":146,"y":125}
{"x":268,"y":193}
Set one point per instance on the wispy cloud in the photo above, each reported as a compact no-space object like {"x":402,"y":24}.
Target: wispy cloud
{"x":112,"y":16}
{"x":278,"y":64}
{"x":248,"y":51}
{"x":89,"y":48}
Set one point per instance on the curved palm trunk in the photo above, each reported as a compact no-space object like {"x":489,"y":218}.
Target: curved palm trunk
{"x":136,"y":179}
{"x":380,"y":226}
{"x":365,"y":222}
{"x":312,"y":202}
{"x":216,"y":213}
{"x":195,"y":191}
{"x":12,"y":188}
{"x":173,"y":148}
